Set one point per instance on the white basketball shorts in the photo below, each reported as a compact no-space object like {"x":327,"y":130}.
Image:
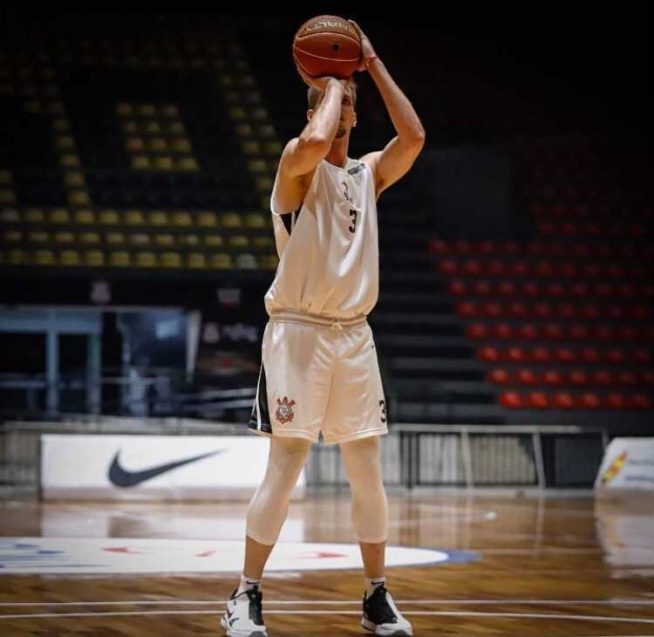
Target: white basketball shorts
{"x":319,"y":379}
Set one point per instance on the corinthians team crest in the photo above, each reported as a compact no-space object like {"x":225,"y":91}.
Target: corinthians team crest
{"x":284,"y":412}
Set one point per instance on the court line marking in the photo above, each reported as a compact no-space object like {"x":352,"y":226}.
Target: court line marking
{"x":327,"y":602}
{"x":546,"y":616}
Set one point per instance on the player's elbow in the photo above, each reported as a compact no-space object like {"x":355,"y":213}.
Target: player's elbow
{"x":416,"y":138}
{"x":316,"y":146}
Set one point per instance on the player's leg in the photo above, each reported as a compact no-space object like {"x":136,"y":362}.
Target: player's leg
{"x":362,"y":463}
{"x":266,"y":514}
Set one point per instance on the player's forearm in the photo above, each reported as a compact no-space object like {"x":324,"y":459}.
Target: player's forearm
{"x":322,"y":127}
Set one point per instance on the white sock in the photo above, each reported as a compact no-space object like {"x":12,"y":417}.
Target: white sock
{"x":247,"y":583}
{"x":374,"y":583}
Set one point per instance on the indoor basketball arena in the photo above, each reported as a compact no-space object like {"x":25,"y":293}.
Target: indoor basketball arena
{"x":513,"y":327}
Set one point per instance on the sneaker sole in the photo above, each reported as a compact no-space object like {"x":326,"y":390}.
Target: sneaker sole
{"x":240,"y":633}
{"x":384,"y":632}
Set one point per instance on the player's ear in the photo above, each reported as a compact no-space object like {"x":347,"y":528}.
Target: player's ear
{"x":310,"y":113}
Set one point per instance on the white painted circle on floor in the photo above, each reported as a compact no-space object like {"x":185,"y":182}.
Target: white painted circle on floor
{"x":46,"y":555}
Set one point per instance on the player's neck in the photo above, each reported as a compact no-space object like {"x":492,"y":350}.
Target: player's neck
{"x":337,"y":154}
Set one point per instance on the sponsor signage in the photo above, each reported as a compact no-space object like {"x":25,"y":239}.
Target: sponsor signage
{"x":628,"y":463}
{"x":154,"y":467}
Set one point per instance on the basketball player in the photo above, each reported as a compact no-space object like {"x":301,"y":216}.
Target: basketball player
{"x":320,"y":375}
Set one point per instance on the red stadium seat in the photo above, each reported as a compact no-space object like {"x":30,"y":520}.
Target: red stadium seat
{"x":499,"y":376}
{"x":511,"y":399}
{"x":563,"y":400}
{"x":526,"y":376}
{"x":538,"y":400}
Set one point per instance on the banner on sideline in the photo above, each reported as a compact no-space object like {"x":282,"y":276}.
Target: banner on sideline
{"x":153,"y":467}
{"x":628,"y":463}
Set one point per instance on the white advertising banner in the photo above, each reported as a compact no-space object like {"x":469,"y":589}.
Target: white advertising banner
{"x":628,"y":463}
{"x":154,"y":467}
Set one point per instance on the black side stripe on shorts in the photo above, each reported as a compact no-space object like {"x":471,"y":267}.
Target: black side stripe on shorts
{"x":290,"y":219}
{"x":260,"y":418}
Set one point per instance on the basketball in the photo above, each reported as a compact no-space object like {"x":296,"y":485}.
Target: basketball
{"x":327,"y":45}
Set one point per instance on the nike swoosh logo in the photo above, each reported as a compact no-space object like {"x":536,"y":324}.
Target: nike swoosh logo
{"x":122,"y":477}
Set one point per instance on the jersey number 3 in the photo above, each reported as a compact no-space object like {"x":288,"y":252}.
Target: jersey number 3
{"x":353,"y":226}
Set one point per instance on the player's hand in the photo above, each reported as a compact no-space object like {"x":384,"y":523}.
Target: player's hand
{"x":367,"y":50}
{"x":319,"y":83}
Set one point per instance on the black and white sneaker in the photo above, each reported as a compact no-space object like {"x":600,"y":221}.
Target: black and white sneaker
{"x":243,"y":617}
{"x":380,"y":615}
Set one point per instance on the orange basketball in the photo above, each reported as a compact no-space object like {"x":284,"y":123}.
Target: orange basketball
{"x":327,"y":45}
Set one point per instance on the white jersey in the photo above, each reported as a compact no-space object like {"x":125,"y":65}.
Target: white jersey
{"x":328,"y":250}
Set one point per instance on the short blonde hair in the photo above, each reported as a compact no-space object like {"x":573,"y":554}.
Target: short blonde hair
{"x":314,"y":95}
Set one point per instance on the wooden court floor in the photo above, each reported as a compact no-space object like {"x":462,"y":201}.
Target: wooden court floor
{"x":515,"y":565}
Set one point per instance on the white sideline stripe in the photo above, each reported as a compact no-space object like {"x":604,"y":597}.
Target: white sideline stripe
{"x":320,"y":602}
{"x":548,"y":617}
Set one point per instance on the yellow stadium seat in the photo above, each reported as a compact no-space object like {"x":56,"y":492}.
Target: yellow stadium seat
{"x":74,"y":178}
{"x":59,"y":215}
{"x":134,"y":144}
{"x":147,"y":110}
{"x":64,"y":237}
{"x":157,"y":145}
{"x":115,"y":238}
{"x":79,"y":198}
{"x":124,"y":108}
{"x":238,"y":241}
{"x":83,"y":216}
{"x":108,"y":217}
{"x":272,"y":148}
{"x":264,"y":184}
{"x":94,"y":258}
{"x":163,"y":162}
{"x":44,"y":257}
{"x":164,"y":239}
{"x":158,"y":218}
{"x":268,"y":261}
{"x":206,"y":219}
{"x":220,"y":261}
{"x":256,"y":220}
{"x":146,"y":260}
{"x":181,"y":146}
{"x":70,"y":258}
{"x":170,"y":260}
{"x":69,"y":160}
{"x":64,"y":142}
{"x":120,"y":259}
{"x":231,"y":220}
{"x":134,"y":217}
{"x":250,"y":147}
{"x":140,"y":162}
{"x":196,"y":260}
{"x":89,"y":237}
{"x":214,"y":240}
{"x":182,"y":218}
{"x":257,"y":165}
{"x":168,"y":110}
{"x":187,"y":163}
{"x":244,"y":130}
{"x":189,"y":239}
